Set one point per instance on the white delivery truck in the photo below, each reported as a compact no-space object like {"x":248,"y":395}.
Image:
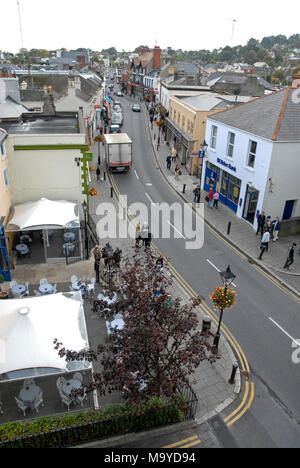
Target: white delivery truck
{"x":118,"y":152}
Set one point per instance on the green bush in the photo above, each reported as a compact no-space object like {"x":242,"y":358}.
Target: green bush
{"x":74,"y":428}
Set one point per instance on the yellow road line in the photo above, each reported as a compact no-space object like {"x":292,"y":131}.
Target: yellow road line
{"x":197,"y":442}
{"x":176,"y":444}
{"x":245,"y":408}
{"x":241,"y":405}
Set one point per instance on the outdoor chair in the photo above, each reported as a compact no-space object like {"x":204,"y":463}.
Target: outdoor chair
{"x":28,"y":383}
{"x":38,"y":402}
{"x":78,"y":376}
{"x":91,"y":286}
{"x":59,"y":382}
{"x":13,"y":284}
{"x":27,"y":289}
{"x":37,"y":293}
{"x":81,"y":398}
{"x":43,"y":281}
{"x":74,"y":279}
{"x":65,"y":400}
{"x":21,"y":405}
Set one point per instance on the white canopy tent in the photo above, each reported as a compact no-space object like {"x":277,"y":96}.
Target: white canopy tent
{"x":44,"y":214}
{"x":29,"y":326}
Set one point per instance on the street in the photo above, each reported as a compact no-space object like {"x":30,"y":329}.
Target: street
{"x":264,"y":322}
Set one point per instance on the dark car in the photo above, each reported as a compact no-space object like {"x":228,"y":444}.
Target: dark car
{"x":136,"y":108}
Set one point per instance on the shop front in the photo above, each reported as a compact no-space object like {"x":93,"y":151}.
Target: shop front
{"x":179,"y":140}
{"x":228,"y":185}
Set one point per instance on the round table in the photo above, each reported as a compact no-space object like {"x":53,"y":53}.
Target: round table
{"x":22,"y":249}
{"x":18,"y":290}
{"x":78,"y":286}
{"x":69,"y":237}
{"x":70,"y":385}
{"x":107,"y":299}
{"x":68,"y":248}
{"x":29,"y":393}
{"x":46,"y":289}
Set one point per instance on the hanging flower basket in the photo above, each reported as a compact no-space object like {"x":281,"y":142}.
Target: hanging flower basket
{"x":223,"y":300}
{"x":91,"y":168}
{"x":94,"y":192}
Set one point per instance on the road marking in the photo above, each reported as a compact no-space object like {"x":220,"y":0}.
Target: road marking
{"x":219,"y":271}
{"x":148,"y":184}
{"x":176,"y":230}
{"x":282,"y":329}
{"x":149,"y":198}
{"x":178,"y":444}
{"x":245,"y":408}
{"x":136,"y":175}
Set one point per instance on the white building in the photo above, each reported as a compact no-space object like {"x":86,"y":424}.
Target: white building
{"x":253,"y":156}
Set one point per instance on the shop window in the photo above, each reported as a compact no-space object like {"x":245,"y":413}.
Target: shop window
{"x":230,"y":146}
{"x":213,"y":141}
{"x":2,"y":152}
{"x":252,"y":153}
{"x":178,"y":119}
{"x":183,"y":123}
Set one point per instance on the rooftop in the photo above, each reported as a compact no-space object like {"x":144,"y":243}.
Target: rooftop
{"x":40,"y":125}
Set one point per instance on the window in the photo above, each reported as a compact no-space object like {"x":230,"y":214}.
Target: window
{"x":252,"y":153}
{"x":183,"y":123}
{"x":175,"y":114}
{"x":5,"y":178}
{"x":2,"y":152}
{"x":189,"y":126}
{"x":230,"y":146}
{"x":213,"y":141}
{"x":178,"y":120}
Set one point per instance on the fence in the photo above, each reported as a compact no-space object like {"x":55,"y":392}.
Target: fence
{"x":82,"y":248}
{"x":126,"y":423}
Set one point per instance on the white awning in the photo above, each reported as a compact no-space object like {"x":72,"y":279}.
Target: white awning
{"x":28,"y":328}
{"x":44,"y":214}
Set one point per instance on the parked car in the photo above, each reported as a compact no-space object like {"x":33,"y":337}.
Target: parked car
{"x":136,"y":108}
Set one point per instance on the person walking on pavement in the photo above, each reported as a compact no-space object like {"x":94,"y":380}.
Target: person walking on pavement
{"x":174,"y":154}
{"x":216,"y":200}
{"x":211,"y":198}
{"x":138,"y":236}
{"x":261,"y":220}
{"x":264,"y":243}
{"x":276,"y":229}
{"x":177,"y":172}
{"x":291,"y":256}
{"x":98,"y":172}
{"x":97,"y":258}
{"x":169,"y":161}
{"x":197,"y":194}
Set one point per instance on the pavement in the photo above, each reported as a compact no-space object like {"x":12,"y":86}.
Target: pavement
{"x":242,"y":235}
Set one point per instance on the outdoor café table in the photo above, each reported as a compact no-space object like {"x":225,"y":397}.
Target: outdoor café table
{"x":28,"y":394}
{"x":69,"y":236}
{"x":69,"y":385}
{"x":68,"y":247}
{"x":78,"y":286}
{"x":107,"y":299}
{"x":22,"y":249}
{"x":46,"y":289}
{"x":18,"y":290}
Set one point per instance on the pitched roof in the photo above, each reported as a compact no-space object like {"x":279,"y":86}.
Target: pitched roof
{"x":275,"y":116}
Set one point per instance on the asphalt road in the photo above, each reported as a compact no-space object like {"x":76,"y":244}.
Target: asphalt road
{"x":265,"y":321}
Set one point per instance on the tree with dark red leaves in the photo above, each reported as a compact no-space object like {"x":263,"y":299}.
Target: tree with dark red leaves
{"x":161,"y":344}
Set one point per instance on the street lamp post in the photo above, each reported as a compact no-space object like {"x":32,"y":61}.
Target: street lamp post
{"x":202,"y":156}
{"x":227,"y":277}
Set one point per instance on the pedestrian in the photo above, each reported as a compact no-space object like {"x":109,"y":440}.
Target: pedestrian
{"x":177,"y":172}
{"x":97,"y":257}
{"x":148,"y":241}
{"x":290,"y":258}
{"x":197,"y":194}
{"x":211,"y":198}
{"x":174,"y":154}
{"x":261,"y":220}
{"x":216,"y":200}
{"x":138,"y":236}
{"x":144,"y":233}
{"x":264,"y":243}
{"x":169,"y":161}
{"x":276,"y":229}
{"x":268,"y":224}
{"x":98,"y":172}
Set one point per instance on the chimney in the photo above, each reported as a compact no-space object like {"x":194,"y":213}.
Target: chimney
{"x":157,"y":57}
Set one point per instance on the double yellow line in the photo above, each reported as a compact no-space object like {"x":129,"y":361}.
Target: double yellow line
{"x":244,"y":366}
{"x":186,"y":443}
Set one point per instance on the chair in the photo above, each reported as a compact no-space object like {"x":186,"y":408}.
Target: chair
{"x":78,"y":376}
{"x":74,"y":279}
{"x":81,"y":398}
{"x":54,"y":289}
{"x":28,"y":383}
{"x":37,"y":293}
{"x":60,"y":382}
{"x":65,"y":400}
{"x":91,"y":286}
{"x":13,"y":284}
{"x":38,"y":402}
{"x":21,"y":405}
{"x":43,"y":281}
{"x":27,"y":289}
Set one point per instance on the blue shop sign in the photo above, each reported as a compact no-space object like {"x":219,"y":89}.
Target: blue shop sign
{"x":228,"y":165}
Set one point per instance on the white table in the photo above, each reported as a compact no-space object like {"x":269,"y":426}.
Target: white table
{"x":69,"y":385}
{"x":117,"y":324}
{"x":69,"y":237}
{"x":109,"y":301}
{"x":22,"y":249}
{"x":46,"y":289}
{"x":29,"y":393}
{"x":19,"y":290}
{"x":78,"y":286}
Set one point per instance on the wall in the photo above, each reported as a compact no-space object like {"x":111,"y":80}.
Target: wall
{"x":52,"y":174}
{"x":5,"y":194}
{"x":284,"y":172}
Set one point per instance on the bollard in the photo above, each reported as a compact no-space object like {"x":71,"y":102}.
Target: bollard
{"x":111,"y":192}
{"x":216,"y":343}
{"x":104,"y":175}
{"x":233,"y":374}
{"x":206,"y":324}
{"x":184,"y":187}
{"x":228,"y":228}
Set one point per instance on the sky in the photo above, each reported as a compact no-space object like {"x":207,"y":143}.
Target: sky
{"x":98,"y":25}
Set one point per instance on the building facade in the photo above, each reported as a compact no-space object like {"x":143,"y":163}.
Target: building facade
{"x":5,"y":207}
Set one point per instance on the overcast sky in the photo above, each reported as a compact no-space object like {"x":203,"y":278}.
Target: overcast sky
{"x":190,"y":25}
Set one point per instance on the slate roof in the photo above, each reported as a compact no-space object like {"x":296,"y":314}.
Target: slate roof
{"x":3,"y":135}
{"x":274,"y":117}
